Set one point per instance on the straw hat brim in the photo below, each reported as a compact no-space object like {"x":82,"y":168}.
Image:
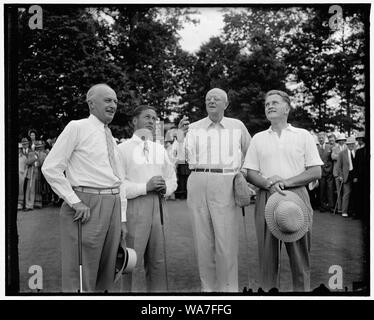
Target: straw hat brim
{"x":126,"y":261}
{"x":272,"y":203}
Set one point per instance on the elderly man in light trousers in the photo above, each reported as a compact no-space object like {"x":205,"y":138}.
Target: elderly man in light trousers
{"x":93,"y":191}
{"x":214,"y":149}
{"x":281,"y":157}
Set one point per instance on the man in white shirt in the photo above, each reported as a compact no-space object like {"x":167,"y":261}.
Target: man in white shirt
{"x":93,"y":191}
{"x":214,"y":148}
{"x":281,"y":157}
{"x":149,"y":172}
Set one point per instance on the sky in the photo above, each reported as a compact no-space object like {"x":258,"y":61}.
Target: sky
{"x":211,"y":24}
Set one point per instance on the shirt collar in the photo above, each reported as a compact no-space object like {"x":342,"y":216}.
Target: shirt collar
{"x":209,"y":122}
{"x":96,"y":122}
{"x":137,"y":139}
{"x":288,"y":128}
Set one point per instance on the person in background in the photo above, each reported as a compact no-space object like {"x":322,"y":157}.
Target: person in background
{"x":39,"y":178}
{"x":339,"y":147}
{"x":360,"y":138}
{"x":346,"y":173}
{"x":31,"y":177}
{"x":22,"y":171}
{"x":361,"y":184}
{"x":326,"y":183}
{"x":33,"y":136}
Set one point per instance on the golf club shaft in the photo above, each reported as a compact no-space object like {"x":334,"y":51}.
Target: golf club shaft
{"x":80,"y":255}
{"x":279,"y":264}
{"x":164,"y":238}
{"x":247,"y":243}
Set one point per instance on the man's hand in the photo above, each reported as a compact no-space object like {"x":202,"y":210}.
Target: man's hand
{"x":355,"y":180}
{"x":275,"y":179}
{"x":156,"y":183}
{"x":184,"y":124}
{"x":81,"y":212}
{"x":278,"y":187}
{"x":340,"y":178}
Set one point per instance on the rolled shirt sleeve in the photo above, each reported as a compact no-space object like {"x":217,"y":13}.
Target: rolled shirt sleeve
{"x":251,"y":160}
{"x":312,"y":157}
{"x":56,"y":162}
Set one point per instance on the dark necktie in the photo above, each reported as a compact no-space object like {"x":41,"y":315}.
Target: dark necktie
{"x":110,"y":146}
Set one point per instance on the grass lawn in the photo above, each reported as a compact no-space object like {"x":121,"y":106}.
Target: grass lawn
{"x":335,"y":241}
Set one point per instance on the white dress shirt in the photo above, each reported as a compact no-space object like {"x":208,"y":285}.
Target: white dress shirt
{"x":81,"y":152}
{"x":215,"y":145}
{"x":140,"y":166}
{"x":286,"y":156}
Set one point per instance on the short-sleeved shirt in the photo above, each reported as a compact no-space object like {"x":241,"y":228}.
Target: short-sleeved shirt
{"x":286,"y":155}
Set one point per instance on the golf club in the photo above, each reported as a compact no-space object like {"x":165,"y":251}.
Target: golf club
{"x":80,"y":256}
{"x":247,"y":243}
{"x":337,"y":198}
{"x":164,"y":242}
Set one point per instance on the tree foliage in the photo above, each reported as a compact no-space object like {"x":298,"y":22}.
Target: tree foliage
{"x":135,"y":49}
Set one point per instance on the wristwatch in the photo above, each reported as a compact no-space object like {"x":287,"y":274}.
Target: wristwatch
{"x":270,"y":183}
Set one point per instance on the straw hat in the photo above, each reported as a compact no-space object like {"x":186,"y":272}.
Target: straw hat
{"x":340,"y":136}
{"x":360,"y":135}
{"x":287,"y":216}
{"x":125,"y":262}
{"x":351,"y":140}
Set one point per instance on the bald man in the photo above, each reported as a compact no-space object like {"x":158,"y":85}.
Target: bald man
{"x":93,"y":192}
{"x":214,"y":148}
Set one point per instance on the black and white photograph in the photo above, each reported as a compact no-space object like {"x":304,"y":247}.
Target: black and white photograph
{"x":199,"y":150}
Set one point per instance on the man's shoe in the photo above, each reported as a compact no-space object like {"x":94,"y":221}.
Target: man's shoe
{"x":345,"y":215}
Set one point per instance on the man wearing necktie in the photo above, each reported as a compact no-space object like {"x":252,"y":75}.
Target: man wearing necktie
{"x":346,"y":173}
{"x":149,"y":172}
{"x":93,"y":191}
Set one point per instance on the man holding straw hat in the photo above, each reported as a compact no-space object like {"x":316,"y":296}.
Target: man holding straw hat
{"x":279,"y":158}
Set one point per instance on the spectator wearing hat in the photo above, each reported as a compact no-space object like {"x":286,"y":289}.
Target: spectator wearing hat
{"x":214,"y":148}
{"x":84,"y":168}
{"x":149,"y":173}
{"x":346,"y":173}
{"x":283,"y":157}
{"x":360,"y":138}
{"x":340,"y":146}
{"x":326,"y":183}
{"x":22,"y":171}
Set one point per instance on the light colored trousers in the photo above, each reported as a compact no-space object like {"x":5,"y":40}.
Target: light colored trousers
{"x":344,"y":196}
{"x":144,"y":235}
{"x":100,"y":237}
{"x":298,"y":251}
{"x":215,"y":225}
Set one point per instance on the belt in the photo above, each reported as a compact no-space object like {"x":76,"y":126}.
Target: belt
{"x":97,"y":190}
{"x":214,"y":170}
